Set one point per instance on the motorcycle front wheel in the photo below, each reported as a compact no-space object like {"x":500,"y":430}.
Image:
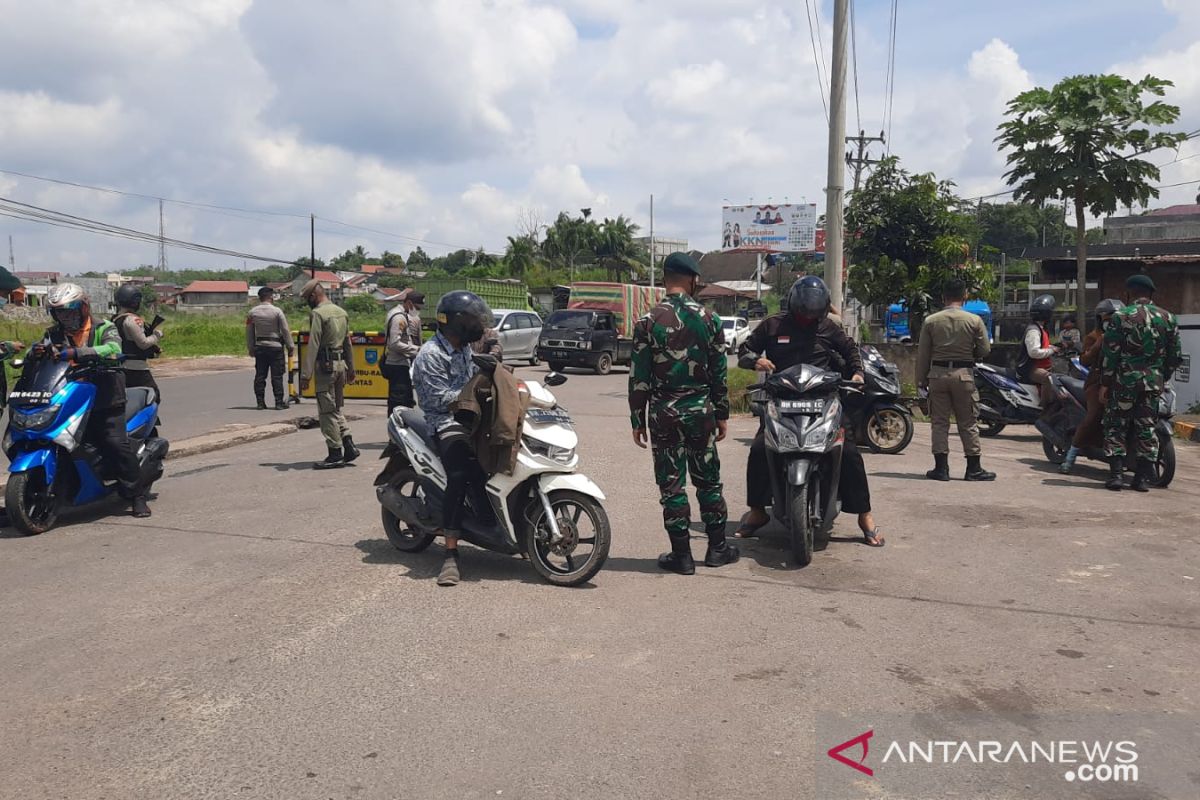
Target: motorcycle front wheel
{"x":30,"y":505}
{"x":586,"y":537}
{"x":889,"y":430}
{"x":990,"y":427}
{"x":1164,"y":468}
{"x":800,"y":502}
{"x":402,"y":536}
{"x":1054,"y":453}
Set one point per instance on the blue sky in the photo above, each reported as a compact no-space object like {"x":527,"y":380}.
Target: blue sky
{"x":443,"y":122}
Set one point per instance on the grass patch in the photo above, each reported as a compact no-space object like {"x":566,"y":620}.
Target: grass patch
{"x":739,"y":380}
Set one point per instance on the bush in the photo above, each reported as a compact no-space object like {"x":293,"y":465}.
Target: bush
{"x":361,"y":304}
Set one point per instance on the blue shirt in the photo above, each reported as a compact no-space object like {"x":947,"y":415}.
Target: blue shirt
{"x":439,"y":372}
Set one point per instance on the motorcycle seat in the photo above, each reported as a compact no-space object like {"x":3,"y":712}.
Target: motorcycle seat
{"x":1075,"y":387}
{"x":415,"y":420}
{"x":136,"y":399}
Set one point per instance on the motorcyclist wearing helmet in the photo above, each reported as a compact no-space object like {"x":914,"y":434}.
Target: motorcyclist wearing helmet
{"x":80,"y":338}
{"x":137,"y":343}
{"x":804,"y":335}
{"x":1035,"y":361}
{"x":1088,"y":434}
{"x":443,"y":366}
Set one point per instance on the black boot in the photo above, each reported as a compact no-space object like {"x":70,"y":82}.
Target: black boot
{"x":262,"y":404}
{"x":1142,"y":476}
{"x":680,"y":558}
{"x":976,"y":472}
{"x":140,"y":509}
{"x":941,"y":467}
{"x":334,"y":459}
{"x":281,"y":405}
{"x":718,"y":555}
{"x":1116,"y":474}
{"x":349,"y":449}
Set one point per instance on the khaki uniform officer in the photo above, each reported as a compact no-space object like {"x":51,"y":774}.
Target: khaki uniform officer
{"x":330,"y":357}
{"x":952,"y":341}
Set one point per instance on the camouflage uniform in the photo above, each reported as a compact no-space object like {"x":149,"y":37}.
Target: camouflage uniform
{"x":679,"y":371}
{"x":1141,"y":352}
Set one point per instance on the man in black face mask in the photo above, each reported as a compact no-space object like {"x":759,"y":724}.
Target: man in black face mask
{"x":804,"y":334}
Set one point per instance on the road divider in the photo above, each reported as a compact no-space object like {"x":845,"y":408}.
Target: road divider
{"x":1188,"y":431}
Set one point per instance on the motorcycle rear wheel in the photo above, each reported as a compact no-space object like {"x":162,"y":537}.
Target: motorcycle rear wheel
{"x":1054,"y":454}
{"x":800,"y":522}
{"x":557,"y":563}
{"x":1164,"y":468}
{"x":399,"y":533}
{"x":990,"y":427}
{"x":889,"y":431}
{"x":28,"y":507}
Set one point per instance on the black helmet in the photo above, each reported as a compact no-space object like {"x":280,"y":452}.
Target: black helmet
{"x":1042,"y":307}
{"x":808,"y":299}
{"x":463,"y":315}
{"x":129,"y":295}
{"x":1107,"y":307}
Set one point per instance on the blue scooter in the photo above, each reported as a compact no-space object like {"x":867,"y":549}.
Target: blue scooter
{"x":52,"y":468}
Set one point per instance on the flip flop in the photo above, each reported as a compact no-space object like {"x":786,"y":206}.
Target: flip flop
{"x":874,"y":538}
{"x":748,"y":531}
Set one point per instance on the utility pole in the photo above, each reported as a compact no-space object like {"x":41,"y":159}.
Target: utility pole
{"x":312,"y":243}
{"x":162,"y":240}
{"x":860,"y":161}
{"x":835,"y":185}
{"x":12,"y":260}
{"x":651,"y":241}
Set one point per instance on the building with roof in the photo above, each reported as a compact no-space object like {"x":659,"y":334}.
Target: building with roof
{"x":213,"y":296}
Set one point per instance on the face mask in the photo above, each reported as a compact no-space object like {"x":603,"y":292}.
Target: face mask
{"x":311,"y":303}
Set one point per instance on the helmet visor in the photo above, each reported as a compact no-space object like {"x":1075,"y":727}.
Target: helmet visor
{"x":809,"y":302}
{"x":70,"y":316}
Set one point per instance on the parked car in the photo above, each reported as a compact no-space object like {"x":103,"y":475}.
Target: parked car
{"x":519,"y":332}
{"x":736,"y":330}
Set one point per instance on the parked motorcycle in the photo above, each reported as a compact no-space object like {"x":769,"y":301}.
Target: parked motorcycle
{"x":52,"y":468}
{"x":1004,"y":400}
{"x":545,"y":509}
{"x":879,"y":420}
{"x":1058,"y":429}
{"x":801,"y":408}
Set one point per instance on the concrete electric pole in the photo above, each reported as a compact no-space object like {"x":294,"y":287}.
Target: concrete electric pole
{"x":835,"y":188}
{"x":861,"y":161}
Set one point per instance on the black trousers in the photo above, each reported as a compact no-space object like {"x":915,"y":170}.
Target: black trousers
{"x":106,"y":430}
{"x":853,"y":490}
{"x":465,"y":479}
{"x":143,"y":377}
{"x":400,"y":387}
{"x":269,"y":359}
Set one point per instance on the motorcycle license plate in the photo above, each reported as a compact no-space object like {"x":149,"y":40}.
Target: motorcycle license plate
{"x":544,"y":415}
{"x":802,"y":406}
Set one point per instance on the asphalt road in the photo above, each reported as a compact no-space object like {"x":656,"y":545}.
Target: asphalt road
{"x":258,"y":637}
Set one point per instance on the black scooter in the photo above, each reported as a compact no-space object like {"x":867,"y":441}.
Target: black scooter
{"x":880,"y":421}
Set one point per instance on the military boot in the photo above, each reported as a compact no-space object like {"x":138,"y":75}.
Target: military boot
{"x":976,"y":472}
{"x":1116,"y":474}
{"x":334,"y":459}
{"x":351,"y":452}
{"x":680,"y":558}
{"x":1142,"y":476}
{"x":262,"y":404}
{"x":719,"y":556}
{"x":941,"y":467}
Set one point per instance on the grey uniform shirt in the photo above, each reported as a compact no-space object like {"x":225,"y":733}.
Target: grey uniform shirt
{"x":403,"y":335}
{"x":133,"y":330}
{"x":266,"y":326}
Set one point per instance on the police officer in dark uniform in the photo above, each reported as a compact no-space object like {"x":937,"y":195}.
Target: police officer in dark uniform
{"x":138,"y":343}
{"x":805,"y":334}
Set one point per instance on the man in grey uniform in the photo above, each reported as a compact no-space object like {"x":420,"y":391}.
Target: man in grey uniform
{"x":267,"y":338}
{"x":952,"y":341}
{"x":403,"y":331}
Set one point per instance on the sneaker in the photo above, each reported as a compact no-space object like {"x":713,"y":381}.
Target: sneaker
{"x":719,"y":558}
{"x":449,"y":575}
{"x":681,"y":563}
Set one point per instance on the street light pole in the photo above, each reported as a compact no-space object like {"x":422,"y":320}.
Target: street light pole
{"x":835,"y":189}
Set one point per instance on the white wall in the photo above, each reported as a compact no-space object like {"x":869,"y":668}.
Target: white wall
{"x":1188,"y":392}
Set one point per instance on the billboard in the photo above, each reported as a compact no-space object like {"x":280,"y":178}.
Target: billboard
{"x":787,"y":228}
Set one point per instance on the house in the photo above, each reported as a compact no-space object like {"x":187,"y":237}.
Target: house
{"x":725,"y":297}
{"x":386,"y":294}
{"x":372,"y":269}
{"x":167,"y":293}
{"x":214,"y":296}
{"x":330,"y":280}
{"x":715,"y":267}
{"x":357,"y":284}
{"x":38,"y":285}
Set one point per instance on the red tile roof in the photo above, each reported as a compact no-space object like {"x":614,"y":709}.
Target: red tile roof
{"x":389,"y":291}
{"x":371,"y":269}
{"x":213,"y":287}
{"x":329,"y":279}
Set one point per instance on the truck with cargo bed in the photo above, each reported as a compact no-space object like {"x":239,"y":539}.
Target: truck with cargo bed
{"x":595,"y":330}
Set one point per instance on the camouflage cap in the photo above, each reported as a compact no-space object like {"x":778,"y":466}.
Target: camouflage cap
{"x":1139,"y":281}
{"x":309,"y":288}
{"x":681,"y":264}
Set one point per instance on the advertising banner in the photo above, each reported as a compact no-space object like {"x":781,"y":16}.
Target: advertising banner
{"x":787,"y":228}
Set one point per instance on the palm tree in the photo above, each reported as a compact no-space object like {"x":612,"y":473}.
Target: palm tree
{"x":521,"y":254}
{"x":615,"y":247}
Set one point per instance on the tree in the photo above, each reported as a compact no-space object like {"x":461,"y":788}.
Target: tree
{"x":351,"y":260}
{"x":417,"y":259}
{"x":615,"y":248}
{"x":391,"y":260}
{"x":907,"y":238}
{"x":1081,"y":141}
{"x":570,"y":241}
{"x":361,"y":304}
{"x":307,"y":264}
{"x":1014,"y":227}
{"x":521,"y":254}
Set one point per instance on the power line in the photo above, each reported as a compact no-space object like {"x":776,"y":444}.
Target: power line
{"x":891,"y":76}
{"x":818,"y":60}
{"x":854,"y":62}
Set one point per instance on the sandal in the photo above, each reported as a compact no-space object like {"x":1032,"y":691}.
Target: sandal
{"x":747,"y":531}
{"x":874,"y":538}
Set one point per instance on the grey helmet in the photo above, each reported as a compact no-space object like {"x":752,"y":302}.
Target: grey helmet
{"x":129,"y":296}
{"x":69,"y":306}
{"x":1106,"y":308}
{"x":1042,"y":307}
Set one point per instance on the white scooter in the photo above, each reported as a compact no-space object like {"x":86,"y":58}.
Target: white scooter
{"x":545,"y":509}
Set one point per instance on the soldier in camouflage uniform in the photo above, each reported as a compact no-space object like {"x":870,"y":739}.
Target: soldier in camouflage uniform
{"x":1141,"y":352}
{"x":678,"y":370}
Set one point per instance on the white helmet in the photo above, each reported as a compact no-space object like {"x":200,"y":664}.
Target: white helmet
{"x":69,"y":306}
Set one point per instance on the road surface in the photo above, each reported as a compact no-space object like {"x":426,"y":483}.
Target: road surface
{"x":259,"y":638}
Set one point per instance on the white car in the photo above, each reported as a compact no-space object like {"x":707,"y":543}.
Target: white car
{"x":737,"y":330}
{"x":518,"y":332}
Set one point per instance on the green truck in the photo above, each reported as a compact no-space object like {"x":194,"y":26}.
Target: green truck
{"x":496,"y":293}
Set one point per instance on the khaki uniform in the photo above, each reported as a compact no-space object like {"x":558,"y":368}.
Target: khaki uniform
{"x":952,"y":342}
{"x":329,"y":351}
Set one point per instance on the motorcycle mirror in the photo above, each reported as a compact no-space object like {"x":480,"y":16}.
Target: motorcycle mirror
{"x":556,"y":379}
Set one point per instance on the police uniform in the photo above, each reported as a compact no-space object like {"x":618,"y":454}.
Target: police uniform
{"x":952,"y":341}
{"x":1140,"y":353}
{"x":326,"y":361}
{"x":267,"y":339}
{"x":403,"y":331}
{"x":678,"y":373}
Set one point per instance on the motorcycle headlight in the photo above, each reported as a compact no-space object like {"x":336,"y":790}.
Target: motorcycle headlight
{"x":559,"y":455}
{"x":34,"y":420}
{"x":819,"y":435}
{"x":784,"y":440}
